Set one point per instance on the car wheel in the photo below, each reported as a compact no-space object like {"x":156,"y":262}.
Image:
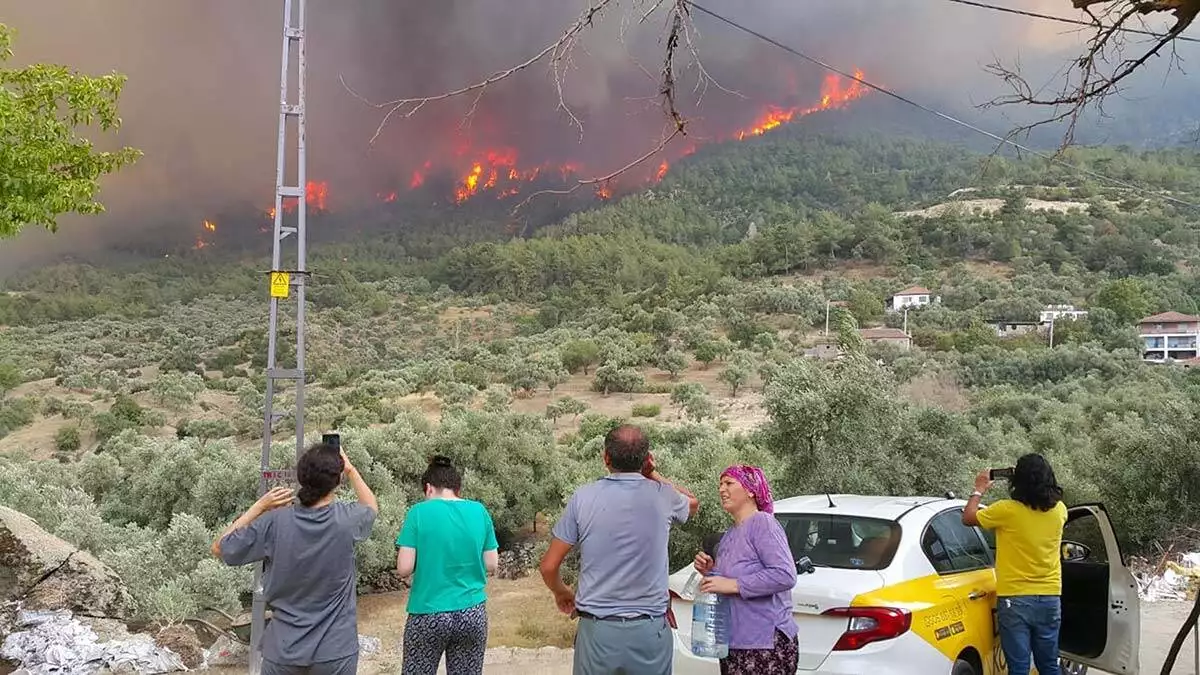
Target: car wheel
{"x":963,"y":668}
{"x":1072,"y":668}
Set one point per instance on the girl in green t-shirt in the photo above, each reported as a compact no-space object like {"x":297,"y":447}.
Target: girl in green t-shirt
{"x":448,"y":546}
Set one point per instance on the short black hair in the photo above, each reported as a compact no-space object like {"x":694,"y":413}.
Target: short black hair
{"x":319,"y":472}
{"x":627,"y":448}
{"x":1033,"y":483}
{"x":441,"y":474}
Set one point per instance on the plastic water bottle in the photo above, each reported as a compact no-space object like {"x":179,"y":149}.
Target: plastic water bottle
{"x":710,"y":625}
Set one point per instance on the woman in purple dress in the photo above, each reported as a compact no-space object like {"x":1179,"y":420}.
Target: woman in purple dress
{"x":754,"y":569}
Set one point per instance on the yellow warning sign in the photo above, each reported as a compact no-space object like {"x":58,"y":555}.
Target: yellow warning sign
{"x":279,"y":284}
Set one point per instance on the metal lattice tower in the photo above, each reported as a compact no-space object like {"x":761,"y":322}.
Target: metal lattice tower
{"x":282,"y":279}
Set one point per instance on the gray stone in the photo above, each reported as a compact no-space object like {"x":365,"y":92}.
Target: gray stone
{"x":42,"y":571}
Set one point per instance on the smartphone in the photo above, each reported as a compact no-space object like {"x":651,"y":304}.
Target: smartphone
{"x":997,"y":474}
{"x":332,"y":439}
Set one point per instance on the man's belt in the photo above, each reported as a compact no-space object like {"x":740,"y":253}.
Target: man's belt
{"x":621,"y":619}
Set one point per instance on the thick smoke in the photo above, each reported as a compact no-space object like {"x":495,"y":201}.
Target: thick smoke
{"x":203,"y":85}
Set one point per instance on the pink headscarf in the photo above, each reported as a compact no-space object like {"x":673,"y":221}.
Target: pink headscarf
{"x":752,"y":478}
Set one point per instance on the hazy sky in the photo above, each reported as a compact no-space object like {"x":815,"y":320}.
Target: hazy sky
{"x":203,"y":83}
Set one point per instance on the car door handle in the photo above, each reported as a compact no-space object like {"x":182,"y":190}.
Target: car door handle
{"x":976,"y":595}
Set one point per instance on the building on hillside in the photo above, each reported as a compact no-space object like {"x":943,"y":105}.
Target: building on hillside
{"x":893,"y":336}
{"x":1011,"y":329}
{"x":824,"y":350}
{"x":910,"y":298}
{"x":1170,"y":336}
{"x":1061,"y":313}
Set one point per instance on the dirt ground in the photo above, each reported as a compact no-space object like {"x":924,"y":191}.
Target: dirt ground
{"x":522,"y":615}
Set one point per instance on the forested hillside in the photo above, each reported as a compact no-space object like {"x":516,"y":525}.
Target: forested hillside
{"x":137,"y":388}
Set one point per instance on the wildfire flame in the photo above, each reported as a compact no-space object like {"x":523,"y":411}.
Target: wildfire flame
{"x":835,"y":93}
{"x":316,"y":196}
{"x":498,"y":171}
{"x":209,"y":226}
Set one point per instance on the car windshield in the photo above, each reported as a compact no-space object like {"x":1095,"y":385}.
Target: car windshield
{"x":845,"y":542}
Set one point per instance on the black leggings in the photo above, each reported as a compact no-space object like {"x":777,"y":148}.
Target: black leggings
{"x":461,"y":636}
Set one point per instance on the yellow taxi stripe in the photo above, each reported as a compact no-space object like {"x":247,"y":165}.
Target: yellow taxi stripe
{"x":943,"y":612}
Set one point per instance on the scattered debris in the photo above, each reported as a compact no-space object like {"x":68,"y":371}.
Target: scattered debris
{"x":368,"y":646}
{"x":55,"y":643}
{"x":183,"y":641}
{"x":227,"y":652}
{"x":1172,"y":580}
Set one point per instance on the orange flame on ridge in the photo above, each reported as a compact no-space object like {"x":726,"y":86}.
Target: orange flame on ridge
{"x":835,"y":93}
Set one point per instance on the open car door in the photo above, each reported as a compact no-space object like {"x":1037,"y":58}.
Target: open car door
{"x":1101,"y":615}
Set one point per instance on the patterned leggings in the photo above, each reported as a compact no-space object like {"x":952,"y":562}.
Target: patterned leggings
{"x":782,"y":660}
{"x":461,"y":636}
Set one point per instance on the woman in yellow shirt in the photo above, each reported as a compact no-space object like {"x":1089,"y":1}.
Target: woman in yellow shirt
{"x":1028,"y":528}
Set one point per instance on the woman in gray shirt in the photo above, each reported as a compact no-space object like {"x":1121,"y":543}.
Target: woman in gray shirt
{"x":309,"y":576}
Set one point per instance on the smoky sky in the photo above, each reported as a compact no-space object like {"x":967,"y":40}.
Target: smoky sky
{"x":203,"y":89}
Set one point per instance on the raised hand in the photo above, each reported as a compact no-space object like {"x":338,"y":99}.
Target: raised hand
{"x":274,"y":499}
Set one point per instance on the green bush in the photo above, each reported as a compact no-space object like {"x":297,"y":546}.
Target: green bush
{"x":647,"y":410}
{"x":67,"y":439}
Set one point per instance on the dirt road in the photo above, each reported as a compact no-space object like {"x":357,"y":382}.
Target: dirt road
{"x":1160,"y":621}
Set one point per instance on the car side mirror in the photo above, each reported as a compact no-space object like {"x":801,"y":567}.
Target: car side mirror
{"x":805,"y":566}
{"x":1075,"y":552}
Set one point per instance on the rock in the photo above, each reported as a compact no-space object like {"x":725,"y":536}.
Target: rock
{"x":516,"y":562}
{"x":44,"y":572}
{"x":228,"y":652}
{"x":183,"y":641}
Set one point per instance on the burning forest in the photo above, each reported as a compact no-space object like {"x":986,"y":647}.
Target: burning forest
{"x":473,"y":172}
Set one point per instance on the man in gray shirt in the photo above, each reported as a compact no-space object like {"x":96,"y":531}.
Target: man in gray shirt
{"x":309,"y":577}
{"x":621,"y":524}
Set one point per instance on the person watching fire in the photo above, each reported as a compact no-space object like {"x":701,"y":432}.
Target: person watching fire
{"x":309,"y":574}
{"x":621,"y":524}
{"x":1029,"y":527}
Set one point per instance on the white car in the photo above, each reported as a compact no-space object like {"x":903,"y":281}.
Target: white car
{"x":900,"y":585}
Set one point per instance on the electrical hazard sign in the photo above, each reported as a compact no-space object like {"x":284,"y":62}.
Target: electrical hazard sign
{"x":280,"y":283}
{"x":280,"y":478}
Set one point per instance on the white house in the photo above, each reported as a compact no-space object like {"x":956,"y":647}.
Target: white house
{"x":1010,"y":329}
{"x":1170,"y":336}
{"x":1061,"y":313}
{"x":912,"y":298}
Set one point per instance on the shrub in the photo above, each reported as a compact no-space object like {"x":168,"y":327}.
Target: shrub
{"x":647,"y":410}
{"x":67,"y":439}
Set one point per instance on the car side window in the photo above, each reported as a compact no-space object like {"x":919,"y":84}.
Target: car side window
{"x":953,"y":547}
{"x":1085,"y":530}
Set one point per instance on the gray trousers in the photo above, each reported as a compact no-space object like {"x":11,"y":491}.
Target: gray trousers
{"x":637,"y":647}
{"x":346,"y":666}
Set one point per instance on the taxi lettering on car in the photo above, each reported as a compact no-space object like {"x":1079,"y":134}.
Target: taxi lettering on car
{"x":898,"y":585}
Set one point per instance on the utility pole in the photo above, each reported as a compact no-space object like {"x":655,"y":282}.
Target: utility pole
{"x":282,"y":281}
{"x":906,"y":321}
{"x":1052,"y":333}
{"x":826,"y":318}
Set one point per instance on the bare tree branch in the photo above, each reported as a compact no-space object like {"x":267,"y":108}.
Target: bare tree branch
{"x":679,"y":31}
{"x":1100,"y":71}
{"x":556,"y":51}
{"x":607,"y":178}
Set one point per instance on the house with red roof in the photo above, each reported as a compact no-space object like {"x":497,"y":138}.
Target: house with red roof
{"x":1170,"y":336}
